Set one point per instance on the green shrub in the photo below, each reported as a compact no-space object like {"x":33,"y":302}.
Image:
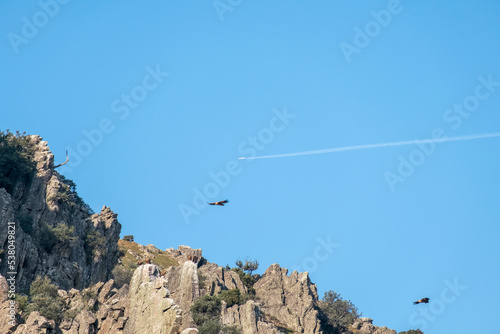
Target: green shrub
{"x":205,"y":309}
{"x":206,"y":312}
{"x":128,"y":238}
{"x":231,"y":297}
{"x":22,"y":301}
{"x":412,"y":331}
{"x":45,"y":299}
{"x":63,"y":232}
{"x":122,"y":275}
{"x":337,"y":314}
{"x":94,"y":243}
{"x":16,"y":159}
{"x":50,"y":236}
{"x":211,"y":326}
{"x":247,"y":279}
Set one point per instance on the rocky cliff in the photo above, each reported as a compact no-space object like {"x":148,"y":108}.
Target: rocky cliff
{"x":56,"y":234}
{"x":58,"y":237}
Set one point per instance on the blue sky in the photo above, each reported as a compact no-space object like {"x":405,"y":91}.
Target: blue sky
{"x":156,"y":99}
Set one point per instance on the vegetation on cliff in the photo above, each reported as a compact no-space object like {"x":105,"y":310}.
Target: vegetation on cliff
{"x":67,"y":194}
{"x":16,"y":159}
{"x":245,"y":270}
{"x":337,"y":314}
{"x":206,"y":312}
{"x":45,"y":299}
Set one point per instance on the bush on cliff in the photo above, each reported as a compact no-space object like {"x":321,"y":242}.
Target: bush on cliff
{"x":67,"y":194}
{"x":45,"y":299}
{"x":244,"y":270}
{"x":95,"y":243}
{"x":16,"y":159}
{"x":50,"y":236}
{"x":337,"y":314}
{"x":206,"y":312}
{"x":231,"y":297}
{"x":122,"y":275}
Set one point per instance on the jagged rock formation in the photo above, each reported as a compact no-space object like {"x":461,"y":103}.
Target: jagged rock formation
{"x":151,"y":309}
{"x":155,"y":303}
{"x":216,"y":279}
{"x":365,"y":326}
{"x":159,"y":296}
{"x":249,"y":318}
{"x":292,"y":300}
{"x":89,"y":253}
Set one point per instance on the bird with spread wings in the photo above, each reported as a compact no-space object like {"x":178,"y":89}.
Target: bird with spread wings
{"x":221,"y":203}
{"x":423,"y":300}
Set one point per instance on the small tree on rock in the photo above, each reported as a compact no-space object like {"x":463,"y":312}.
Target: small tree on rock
{"x":338,"y":314}
{"x":128,"y":238}
{"x":249,"y":266}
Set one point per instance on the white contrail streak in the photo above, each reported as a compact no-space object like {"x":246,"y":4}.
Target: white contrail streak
{"x":362,"y":147}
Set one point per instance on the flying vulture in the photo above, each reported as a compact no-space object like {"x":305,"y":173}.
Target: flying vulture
{"x":423,"y":300}
{"x":221,"y":203}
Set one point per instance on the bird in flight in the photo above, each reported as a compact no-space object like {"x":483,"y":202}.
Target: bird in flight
{"x":423,"y":300}
{"x":221,"y":203}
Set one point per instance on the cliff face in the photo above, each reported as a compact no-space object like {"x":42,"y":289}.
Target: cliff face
{"x":56,"y":235}
{"x":160,"y":303}
{"x":155,"y":303}
{"x":290,"y":299}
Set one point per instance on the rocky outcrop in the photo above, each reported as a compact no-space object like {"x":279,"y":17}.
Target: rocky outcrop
{"x":151,"y":308}
{"x":155,"y":303}
{"x":186,"y":253}
{"x":36,"y":324}
{"x":289,"y":301}
{"x":105,"y":258}
{"x":248,"y":317}
{"x":85,"y":256}
{"x":365,"y":326}
{"x":215,"y":279}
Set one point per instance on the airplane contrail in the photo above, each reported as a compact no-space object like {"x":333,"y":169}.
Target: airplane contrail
{"x":362,"y":147}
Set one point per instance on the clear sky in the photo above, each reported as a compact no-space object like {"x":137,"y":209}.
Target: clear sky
{"x":156,"y":100}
